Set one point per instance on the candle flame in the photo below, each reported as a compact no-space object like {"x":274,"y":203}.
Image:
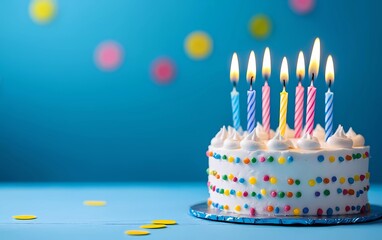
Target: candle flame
{"x":251,"y":69}
{"x":314,"y":64}
{"x":234,"y":73}
{"x":284,"y":75}
{"x":329,"y":70}
{"x":266,"y":64}
{"x":300,"y":70}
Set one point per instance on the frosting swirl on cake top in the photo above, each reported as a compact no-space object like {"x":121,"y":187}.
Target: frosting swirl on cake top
{"x":308,"y":142}
{"x":339,"y":139}
{"x":251,"y":142}
{"x":233,"y":140}
{"x":278,"y":142}
{"x":219,"y":138}
{"x":358,"y":139}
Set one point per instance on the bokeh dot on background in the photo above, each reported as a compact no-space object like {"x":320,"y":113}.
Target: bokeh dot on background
{"x":163,"y":70}
{"x":108,"y":55}
{"x":302,"y":6}
{"x":260,"y":26}
{"x":42,"y":11}
{"x":198,"y":45}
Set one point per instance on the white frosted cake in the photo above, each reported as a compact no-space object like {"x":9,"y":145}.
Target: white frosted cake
{"x":251,"y":175}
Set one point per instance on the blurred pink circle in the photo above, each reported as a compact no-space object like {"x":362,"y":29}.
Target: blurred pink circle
{"x":108,"y":55}
{"x":163,"y":70}
{"x":302,"y":6}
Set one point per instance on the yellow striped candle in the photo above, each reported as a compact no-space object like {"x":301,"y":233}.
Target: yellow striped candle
{"x":284,"y":77}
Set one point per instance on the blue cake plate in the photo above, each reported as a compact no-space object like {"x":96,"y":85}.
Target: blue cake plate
{"x":201,"y":210}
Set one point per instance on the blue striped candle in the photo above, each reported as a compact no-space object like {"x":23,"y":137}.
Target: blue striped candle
{"x":251,"y":110}
{"x":235,"y":108}
{"x":329,"y":78}
{"x":328,"y":114}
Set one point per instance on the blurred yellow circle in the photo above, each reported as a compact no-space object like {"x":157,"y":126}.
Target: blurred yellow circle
{"x":260,"y":26}
{"x":42,"y":11}
{"x":198,"y":45}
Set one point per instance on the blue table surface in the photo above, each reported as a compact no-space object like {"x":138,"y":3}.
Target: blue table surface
{"x":62,"y":215}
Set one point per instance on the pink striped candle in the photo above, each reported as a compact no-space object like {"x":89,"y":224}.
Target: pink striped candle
{"x":310,"y":109}
{"x":299,"y":109}
{"x":266,"y":99}
{"x":314,"y":65}
{"x":266,"y":92}
{"x":299,"y":100}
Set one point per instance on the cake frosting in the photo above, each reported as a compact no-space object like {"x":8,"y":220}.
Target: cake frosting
{"x":339,"y":139}
{"x":308,"y":142}
{"x":252,"y":173}
{"x":358,"y":139}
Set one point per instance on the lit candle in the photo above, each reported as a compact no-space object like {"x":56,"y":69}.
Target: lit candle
{"x":251,"y":97}
{"x":314,"y":65}
{"x":234,"y":76}
{"x":266,"y":91}
{"x":299,"y":100}
{"x":284,"y":77}
{"x":329,"y":78}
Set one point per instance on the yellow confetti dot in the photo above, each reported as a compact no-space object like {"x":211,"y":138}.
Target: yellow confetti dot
{"x":260,"y":26}
{"x":214,"y":172}
{"x":239,"y":193}
{"x":164,"y":222}
{"x":296,"y":211}
{"x":42,"y":11}
{"x":24,"y":217}
{"x":237,"y":208}
{"x":153,"y":226}
{"x":226,"y":192}
{"x":252,"y":180}
{"x":230,"y":159}
{"x":342,"y":180}
{"x":273,"y":180}
{"x":226,"y":207}
{"x":198,"y":45}
{"x":137,"y":232}
{"x":367,"y":175}
{"x":311,"y":182}
{"x":263,"y":192}
{"x":281,"y":160}
{"x":209,"y":202}
{"x":356,"y":177}
{"x":95,"y":203}
{"x":231,"y":176}
{"x":332,"y":159}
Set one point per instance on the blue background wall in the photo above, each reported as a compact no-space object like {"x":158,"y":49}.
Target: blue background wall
{"x":62,"y":119}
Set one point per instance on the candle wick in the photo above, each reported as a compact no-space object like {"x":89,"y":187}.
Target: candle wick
{"x":234,"y":84}
{"x":250,"y":84}
{"x":311,"y":83}
{"x":330,"y":84}
{"x":284,"y":84}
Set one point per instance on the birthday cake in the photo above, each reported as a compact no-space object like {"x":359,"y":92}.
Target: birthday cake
{"x":310,"y":171}
{"x":308,"y":176}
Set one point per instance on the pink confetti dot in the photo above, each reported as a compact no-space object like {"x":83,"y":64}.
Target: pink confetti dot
{"x":163,"y":70}
{"x":302,"y":6}
{"x":108,"y":55}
